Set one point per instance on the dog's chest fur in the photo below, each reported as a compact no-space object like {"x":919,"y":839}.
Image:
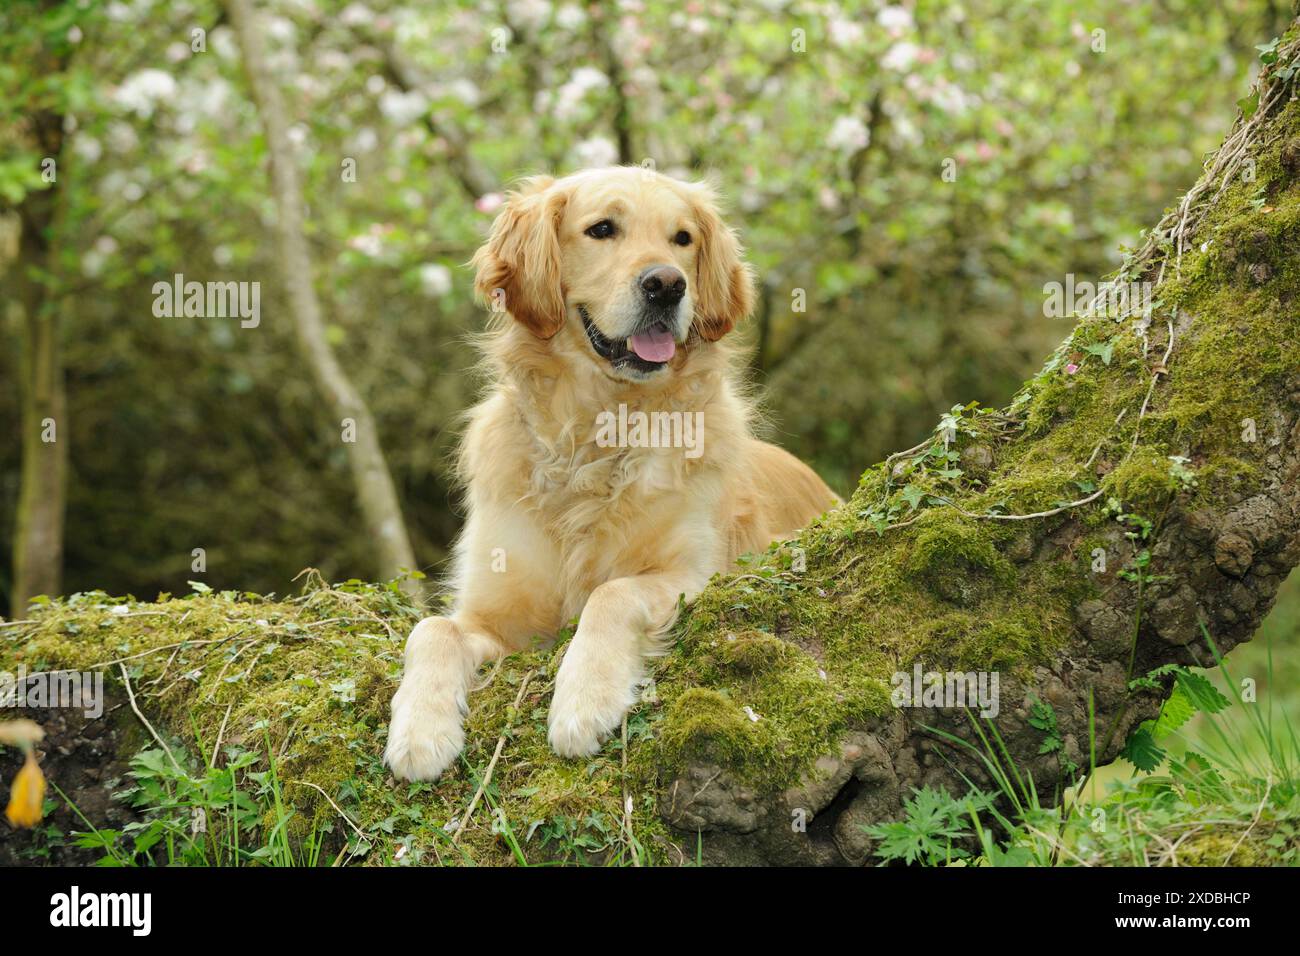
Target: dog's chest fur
{"x":579,"y":487}
{"x":605,"y":505}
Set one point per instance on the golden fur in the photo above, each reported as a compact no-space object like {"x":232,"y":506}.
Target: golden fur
{"x":559,"y":526}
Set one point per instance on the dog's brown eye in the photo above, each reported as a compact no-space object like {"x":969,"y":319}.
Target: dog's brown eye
{"x":601,"y":230}
{"x":682,"y":238}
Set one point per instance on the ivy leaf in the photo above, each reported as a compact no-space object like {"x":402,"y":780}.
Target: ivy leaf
{"x":912,"y":494}
{"x":1103,"y":351}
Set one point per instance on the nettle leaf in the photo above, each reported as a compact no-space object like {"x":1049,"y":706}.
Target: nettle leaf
{"x":1177,"y":710}
{"x":1141,"y":749}
{"x":1152,"y":678}
{"x":1199,"y":773}
{"x":1202,"y":695}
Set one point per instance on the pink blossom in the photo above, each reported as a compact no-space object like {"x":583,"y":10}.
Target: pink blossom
{"x":489,"y":202}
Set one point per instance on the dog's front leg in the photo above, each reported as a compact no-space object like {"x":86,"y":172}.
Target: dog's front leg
{"x":603,"y":664}
{"x":426,"y":733}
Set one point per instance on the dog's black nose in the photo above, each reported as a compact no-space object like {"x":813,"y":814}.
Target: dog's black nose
{"x":663,"y":285}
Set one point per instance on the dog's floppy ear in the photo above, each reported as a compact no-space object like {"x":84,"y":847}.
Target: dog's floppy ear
{"x":724,"y":284}
{"x":518,"y":269}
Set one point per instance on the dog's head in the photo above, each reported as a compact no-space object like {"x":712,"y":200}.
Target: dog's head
{"x":631,"y":260}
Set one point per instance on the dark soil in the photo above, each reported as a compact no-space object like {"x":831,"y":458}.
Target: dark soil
{"x":84,"y":757}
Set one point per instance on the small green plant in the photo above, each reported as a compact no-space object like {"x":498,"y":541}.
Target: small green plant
{"x":1043,"y":717}
{"x":230,"y":815}
{"x":1230,"y":794}
{"x":1183,"y":476}
{"x":932,"y":829}
{"x":1192,"y":694}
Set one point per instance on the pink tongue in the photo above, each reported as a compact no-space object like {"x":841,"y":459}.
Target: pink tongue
{"x":657,"y":345}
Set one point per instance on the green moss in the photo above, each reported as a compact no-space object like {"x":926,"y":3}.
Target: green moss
{"x":752,"y":652}
{"x":1144,"y":482}
{"x":312,"y":677}
{"x":957,"y":559}
{"x":1257,"y":847}
{"x":707,"y":724}
{"x":1007,"y":640}
{"x":774,"y":707}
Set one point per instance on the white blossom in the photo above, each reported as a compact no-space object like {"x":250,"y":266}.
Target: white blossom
{"x":122,"y":137}
{"x":845,"y":33}
{"x":465,"y":91}
{"x":368,"y":243}
{"x":88,"y":148}
{"x":435,"y":280}
{"x":365,"y":140}
{"x":356,"y":15}
{"x":901,"y":56}
{"x":895,"y":19}
{"x":403,"y":108}
{"x":595,"y":152}
{"x":849,"y":134}
{"x":530,"y":14}
{"x":569,"y":97}
{"x":143,"y":90}
{"x":221,"y":41}
{"x":570,"y":17}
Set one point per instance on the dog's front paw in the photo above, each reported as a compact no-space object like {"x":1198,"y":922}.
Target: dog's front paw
{"x":424,"y":736}
{"x":584,"y":714}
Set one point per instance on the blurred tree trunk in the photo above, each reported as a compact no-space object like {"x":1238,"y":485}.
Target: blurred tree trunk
{"x":375,"y":490}
{"x":42,"y":495}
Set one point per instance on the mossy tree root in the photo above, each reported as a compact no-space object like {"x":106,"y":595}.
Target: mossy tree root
{"x":1173,"y":442}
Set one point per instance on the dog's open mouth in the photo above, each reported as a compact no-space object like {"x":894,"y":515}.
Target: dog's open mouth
{"x":646,"y":350}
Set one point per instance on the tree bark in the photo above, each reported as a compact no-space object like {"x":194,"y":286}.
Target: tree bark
{"x":375,"y":490}
{"x":42,"y":495}
{"x":1140,"y":495}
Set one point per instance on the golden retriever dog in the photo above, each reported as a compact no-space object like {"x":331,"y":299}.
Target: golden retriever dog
{"x":611,"y":470}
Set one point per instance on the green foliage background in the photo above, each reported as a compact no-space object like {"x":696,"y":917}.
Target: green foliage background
{"x":919,"y":293}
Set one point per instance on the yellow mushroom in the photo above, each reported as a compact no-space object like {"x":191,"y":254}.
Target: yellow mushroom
{"x":27,"y":796}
